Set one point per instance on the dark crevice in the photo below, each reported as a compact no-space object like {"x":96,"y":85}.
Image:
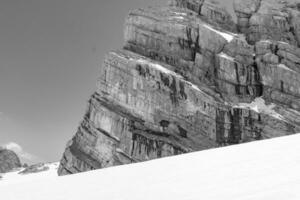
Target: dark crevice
{"x":165,"y":79}
{"x":182,"y":92}
{"x":235,"y":135}
{"x":276,"y":52}
{"x":182,"y":131}
{"x":293,"y":31}
{"x":281,"y":86}
{"x":238,"y":86}
{"x":257,"y":76}
{"x":200,"y":7}
{"x":164,"y":123}
{"x":259,"y":86}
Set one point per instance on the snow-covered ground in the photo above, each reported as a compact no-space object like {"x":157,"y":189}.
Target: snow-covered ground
{"x":16,"y":178}
{"x":263,"y":170}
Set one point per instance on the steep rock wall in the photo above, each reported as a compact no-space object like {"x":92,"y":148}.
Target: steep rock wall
{"x":269,"y":19}
{"x":186,"y":81}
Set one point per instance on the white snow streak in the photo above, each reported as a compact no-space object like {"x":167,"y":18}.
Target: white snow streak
{"x":227,"y":36}
{"x":223,"y":55}
{"x":259,"y":105}
{"x":180,"y":13}
{"x":283,"y":66}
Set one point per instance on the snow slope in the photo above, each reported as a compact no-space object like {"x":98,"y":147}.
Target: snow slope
{"x":16,"y":178}
{"x":260,"y":170}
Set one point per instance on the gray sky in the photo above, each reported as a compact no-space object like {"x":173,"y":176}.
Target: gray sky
{"x":50,"y":53}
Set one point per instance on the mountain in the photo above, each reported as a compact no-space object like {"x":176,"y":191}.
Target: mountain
{"x":266,"y":169}
{"x":188,"y":79}
{"x":8,"y":160}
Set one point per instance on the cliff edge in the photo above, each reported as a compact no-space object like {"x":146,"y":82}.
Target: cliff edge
{"x":188,"y":79}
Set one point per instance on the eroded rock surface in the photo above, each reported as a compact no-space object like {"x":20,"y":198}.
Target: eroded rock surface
{"x":269,"y":19}
{"x":186,"y":81}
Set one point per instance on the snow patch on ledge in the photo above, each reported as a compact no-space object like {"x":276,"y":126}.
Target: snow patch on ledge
{"x":227,"y":36}
{"x":167,"y":71}
{"x":180,"y":13}
{"x":223,"y":55}
{"x":283,"y":66}
{"x":284,"y":42}
{"x":266,"y":41}
{"x":178,"y":17}
{"x":259,"y":106}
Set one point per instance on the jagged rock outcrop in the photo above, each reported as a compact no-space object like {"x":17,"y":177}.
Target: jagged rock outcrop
{"x":185,"y":81}
{"x":209,"y":10}
{"x":269,"y":19}
{"x":279,"y":68}
{"x":8,"y":160}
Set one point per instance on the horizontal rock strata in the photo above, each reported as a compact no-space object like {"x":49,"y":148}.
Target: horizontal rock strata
{"x":186,"y":81}
{"x":269,"y":19}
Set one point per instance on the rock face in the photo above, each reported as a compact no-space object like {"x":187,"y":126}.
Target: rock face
{"x":188,"y":80}
{"x":8,"y":160}
{"x":269,"y":19}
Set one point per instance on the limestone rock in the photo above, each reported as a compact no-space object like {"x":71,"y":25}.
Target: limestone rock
{"x":181,"y":39}
{"x":185,"y":81}
{"x":8,"y":160}
{"x":143,"y":110}
{"x":208,"y":10}
{"x":279,"y":72}
{"x":244,"y":10}
{"x":269,"y":19}
{"x":194,"y":5}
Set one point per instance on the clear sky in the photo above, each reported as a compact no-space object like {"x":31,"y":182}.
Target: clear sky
{"x":50,"y":53}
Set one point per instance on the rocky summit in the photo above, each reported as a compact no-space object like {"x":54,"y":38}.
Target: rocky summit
{"x":188,"y":78}
{"x":8,"y":160}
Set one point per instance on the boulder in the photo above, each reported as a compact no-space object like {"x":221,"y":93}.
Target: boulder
{"x":8,"y":160}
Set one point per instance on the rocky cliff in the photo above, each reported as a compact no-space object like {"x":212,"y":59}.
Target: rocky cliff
{"x":188,"y":78}
{"x":8,"y":160}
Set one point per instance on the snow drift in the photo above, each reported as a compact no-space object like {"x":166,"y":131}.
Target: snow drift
{"x":260,"y":170}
